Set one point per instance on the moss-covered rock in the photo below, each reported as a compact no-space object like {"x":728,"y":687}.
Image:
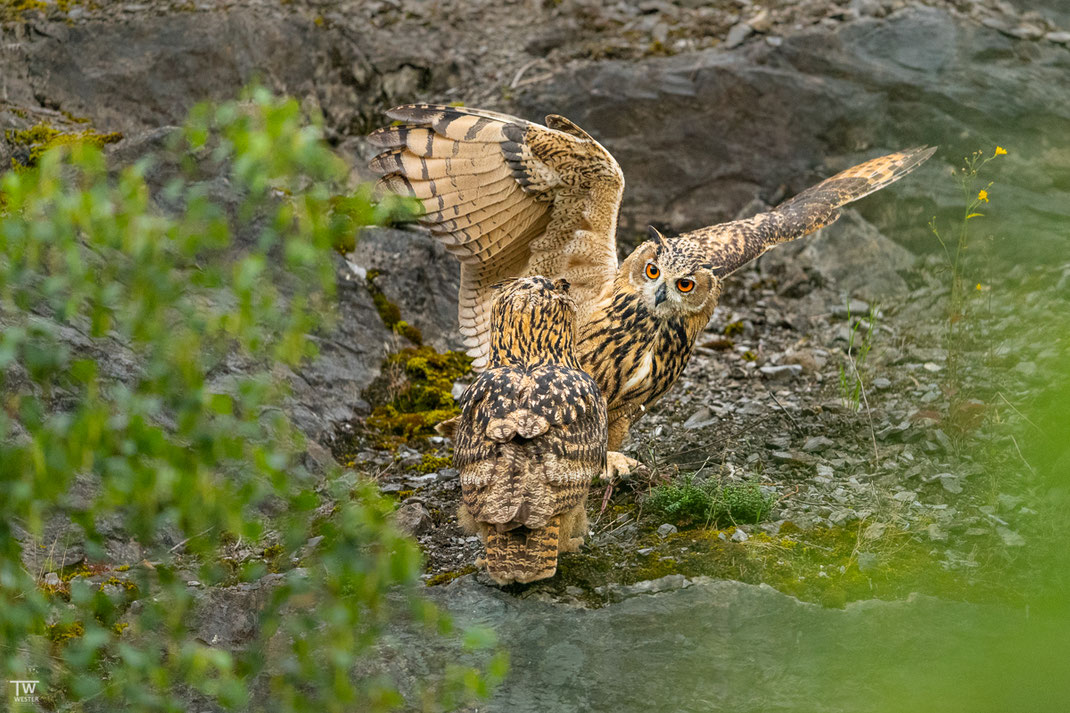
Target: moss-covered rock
{"x":33,"y":142}
{"x":415,"y":392}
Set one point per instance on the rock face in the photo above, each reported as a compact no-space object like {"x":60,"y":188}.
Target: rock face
{"x":700,"y":135}
{"x":419,"y":276}
{"x":148,"y":66}
{"x":327,"y":391}
{"x":851,"y":253}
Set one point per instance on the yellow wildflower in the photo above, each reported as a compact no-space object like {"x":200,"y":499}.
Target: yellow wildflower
{"x":983,"y":196}
{"x":978,"y":286}
{"x":1000,"y":151}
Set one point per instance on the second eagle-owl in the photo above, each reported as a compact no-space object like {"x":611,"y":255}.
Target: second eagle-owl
{"x":531,"y":435}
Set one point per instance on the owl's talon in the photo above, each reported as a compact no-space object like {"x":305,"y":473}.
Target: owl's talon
{"x":619,"y":467}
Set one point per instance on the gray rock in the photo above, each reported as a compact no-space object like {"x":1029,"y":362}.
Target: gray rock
{"x":852,"y":308}
{"x":412,"y":517}
{"x":951,"y":484}
{"x":852,"y":254}
{"x":852,"y":86}
{"x":700,"y":419}
{"x":880,"y":383}
{"x":737,"y":34}
{"x":666,"y":529}
{"x":418,"y":275}
{"x":935,"y":533}
{"x":816,"y":444}
{"x":1010,"y":537}
{"x":781,"y":372}
{"x":740,"y":535}
{"x":867,"y":561}
{"x":52,"y":579}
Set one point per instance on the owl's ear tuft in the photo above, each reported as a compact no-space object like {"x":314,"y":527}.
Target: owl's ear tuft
{"x":655,"y":235}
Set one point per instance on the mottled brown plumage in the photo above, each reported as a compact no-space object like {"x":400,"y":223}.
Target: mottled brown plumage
{"x":512,"y":198}
{"x":531,"y":435}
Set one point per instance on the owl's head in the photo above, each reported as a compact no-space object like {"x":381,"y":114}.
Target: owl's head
{"x":672,"y":277}
{"x":533,"y":320}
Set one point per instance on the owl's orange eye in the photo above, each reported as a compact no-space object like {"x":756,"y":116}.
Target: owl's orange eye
{"x":685,"y":285}
{"x":652,"y":271}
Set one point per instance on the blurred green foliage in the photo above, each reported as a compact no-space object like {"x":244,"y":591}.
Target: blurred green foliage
{"x":120,"y":315}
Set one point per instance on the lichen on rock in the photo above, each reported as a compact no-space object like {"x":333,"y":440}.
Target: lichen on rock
{"x":33,"y":142}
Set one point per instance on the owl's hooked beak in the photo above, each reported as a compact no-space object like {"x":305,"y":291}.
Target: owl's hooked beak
{"x":660,"y":295}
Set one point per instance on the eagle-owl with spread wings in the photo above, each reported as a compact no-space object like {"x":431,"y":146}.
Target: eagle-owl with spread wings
{"x":512,"y":198}
{"x":531,"y":435}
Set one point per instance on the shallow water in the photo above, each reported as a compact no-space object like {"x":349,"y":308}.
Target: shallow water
{"x":729,"y":646}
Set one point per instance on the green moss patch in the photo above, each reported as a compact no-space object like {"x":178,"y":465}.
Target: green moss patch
{"x":415,"y":393}
{"x":39,"y":138}
{"x":447,"y":577}
{"x":689,"y":502}
{"x":390,"y":313}
{"x":829,"y":566}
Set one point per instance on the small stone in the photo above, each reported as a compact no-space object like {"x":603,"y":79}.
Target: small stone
{"x":842,"y":517}
{"x":644,"y":551}
{"x":1062,"y":38}
{"x":447,"y":474}
{"x":737,"y":34}
{"x":761,"y":22}
{"x":825,"y":471}
{"x":792,"y":457}
{"x":1026,"y":368}
{"x":815,"y":444}
{"x":412,"y":517}
{"x":1008,"y":502}
{"x":740,"y":536}
{"x":935,"y":533}
{"x":931,"y":366}
{"x":1010,"y":537}
{"x":193,"y":583}
{"x":951,"y":484}
{"x":880,"y":383}
{"x":906,"y":496}
{"x":875,"y":530}
{"x":866,"y":561}
{"x":52,"y":579}
{"x":781,"y":372}
{"x":666,"y":529}
{"x":700,"y":419}
{"x":854,"y":308}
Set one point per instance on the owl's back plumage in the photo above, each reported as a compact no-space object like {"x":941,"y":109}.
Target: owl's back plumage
{"x":530,"y":437}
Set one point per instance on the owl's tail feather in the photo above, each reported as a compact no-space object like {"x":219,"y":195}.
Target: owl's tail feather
{"x":523,"y":555}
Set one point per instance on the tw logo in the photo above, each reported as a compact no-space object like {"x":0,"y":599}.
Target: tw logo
{"x":25,"y":691}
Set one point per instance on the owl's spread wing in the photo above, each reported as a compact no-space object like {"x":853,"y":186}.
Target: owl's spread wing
{"x":528,"y":444}
{"x":508,"y":197}
{"x":729,"y":246}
